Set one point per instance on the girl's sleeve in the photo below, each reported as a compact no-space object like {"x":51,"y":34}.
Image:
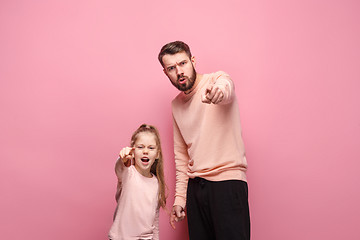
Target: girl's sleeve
{"x":156,"y":224}
{"x":120,"y":171}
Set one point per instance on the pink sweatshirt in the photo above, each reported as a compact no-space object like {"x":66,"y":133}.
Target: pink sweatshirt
{"x":137,"y":212}
{"x":207,"y":137}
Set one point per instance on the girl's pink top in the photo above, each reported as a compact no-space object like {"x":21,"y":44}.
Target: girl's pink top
{"x":137,"y":212}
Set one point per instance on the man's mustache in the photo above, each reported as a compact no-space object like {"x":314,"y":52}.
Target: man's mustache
{"x":181,"y":76}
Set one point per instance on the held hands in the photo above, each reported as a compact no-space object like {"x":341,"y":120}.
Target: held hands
{"x":126,"y":154}
{"x":177,"y":214}
{"x":213,"y":94}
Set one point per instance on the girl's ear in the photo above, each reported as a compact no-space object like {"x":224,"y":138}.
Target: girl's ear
{"x":157,"y":155}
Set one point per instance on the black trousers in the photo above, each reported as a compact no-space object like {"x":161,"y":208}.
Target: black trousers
{"x":218,"y":210}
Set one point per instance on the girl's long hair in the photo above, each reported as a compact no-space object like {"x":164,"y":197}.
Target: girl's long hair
{"x":158,"y":166}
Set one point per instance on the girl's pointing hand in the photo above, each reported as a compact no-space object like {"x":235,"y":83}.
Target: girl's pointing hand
{"x":126,"y":154}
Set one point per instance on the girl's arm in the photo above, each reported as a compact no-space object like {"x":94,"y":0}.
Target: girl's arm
{"x":125,"y":156}
{"x":124,"y":160}
{"x":156,"y":224}
{"x":118,"y":191}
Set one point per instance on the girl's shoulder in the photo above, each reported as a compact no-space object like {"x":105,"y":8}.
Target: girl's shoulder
{"x":126,"y":173}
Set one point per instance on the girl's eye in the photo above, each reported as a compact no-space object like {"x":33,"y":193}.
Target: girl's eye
{"x":140,"y":147}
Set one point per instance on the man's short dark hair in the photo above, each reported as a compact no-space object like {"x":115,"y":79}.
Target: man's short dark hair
{"x":173,"y":48}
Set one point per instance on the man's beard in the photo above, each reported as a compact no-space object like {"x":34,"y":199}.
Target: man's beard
{"x":190,"y":81}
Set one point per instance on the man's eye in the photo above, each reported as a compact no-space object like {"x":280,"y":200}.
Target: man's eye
{"x":183,"y":63}
{"x":171,"y":68}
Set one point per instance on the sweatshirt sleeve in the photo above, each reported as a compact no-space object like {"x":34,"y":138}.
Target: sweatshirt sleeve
{"x":181,"y":162}
{"x":223,"y":81}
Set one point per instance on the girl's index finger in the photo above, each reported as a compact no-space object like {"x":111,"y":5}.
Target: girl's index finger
{"x":132,"y":150}
{"x":126,"y":150}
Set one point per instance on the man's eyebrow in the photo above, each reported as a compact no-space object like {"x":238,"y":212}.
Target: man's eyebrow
{"x":169,"y":66}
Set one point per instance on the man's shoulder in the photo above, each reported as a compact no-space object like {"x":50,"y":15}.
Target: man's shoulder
{"x":177,"y":99}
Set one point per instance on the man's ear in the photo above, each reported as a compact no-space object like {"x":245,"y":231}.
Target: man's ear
{"x":193,"y":61}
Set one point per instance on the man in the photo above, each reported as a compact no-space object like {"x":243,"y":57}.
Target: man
{"x":209,"y":150}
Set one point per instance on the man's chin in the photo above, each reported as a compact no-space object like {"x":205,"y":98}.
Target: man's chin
{"x":185,"y":87}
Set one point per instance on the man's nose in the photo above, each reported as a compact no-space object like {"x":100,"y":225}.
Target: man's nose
{"x":179,"y":70}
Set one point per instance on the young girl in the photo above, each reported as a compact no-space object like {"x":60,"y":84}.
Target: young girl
{"x":141,"y":187}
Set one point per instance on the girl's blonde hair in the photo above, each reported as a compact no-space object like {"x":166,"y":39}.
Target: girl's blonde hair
{"x":158,"y":166}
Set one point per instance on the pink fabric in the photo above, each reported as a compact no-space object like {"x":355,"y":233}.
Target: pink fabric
{"x":137,"y":213}
{"x":197,"y":153}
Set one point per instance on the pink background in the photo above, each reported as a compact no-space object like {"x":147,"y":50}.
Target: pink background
{"x":78,"y":77}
